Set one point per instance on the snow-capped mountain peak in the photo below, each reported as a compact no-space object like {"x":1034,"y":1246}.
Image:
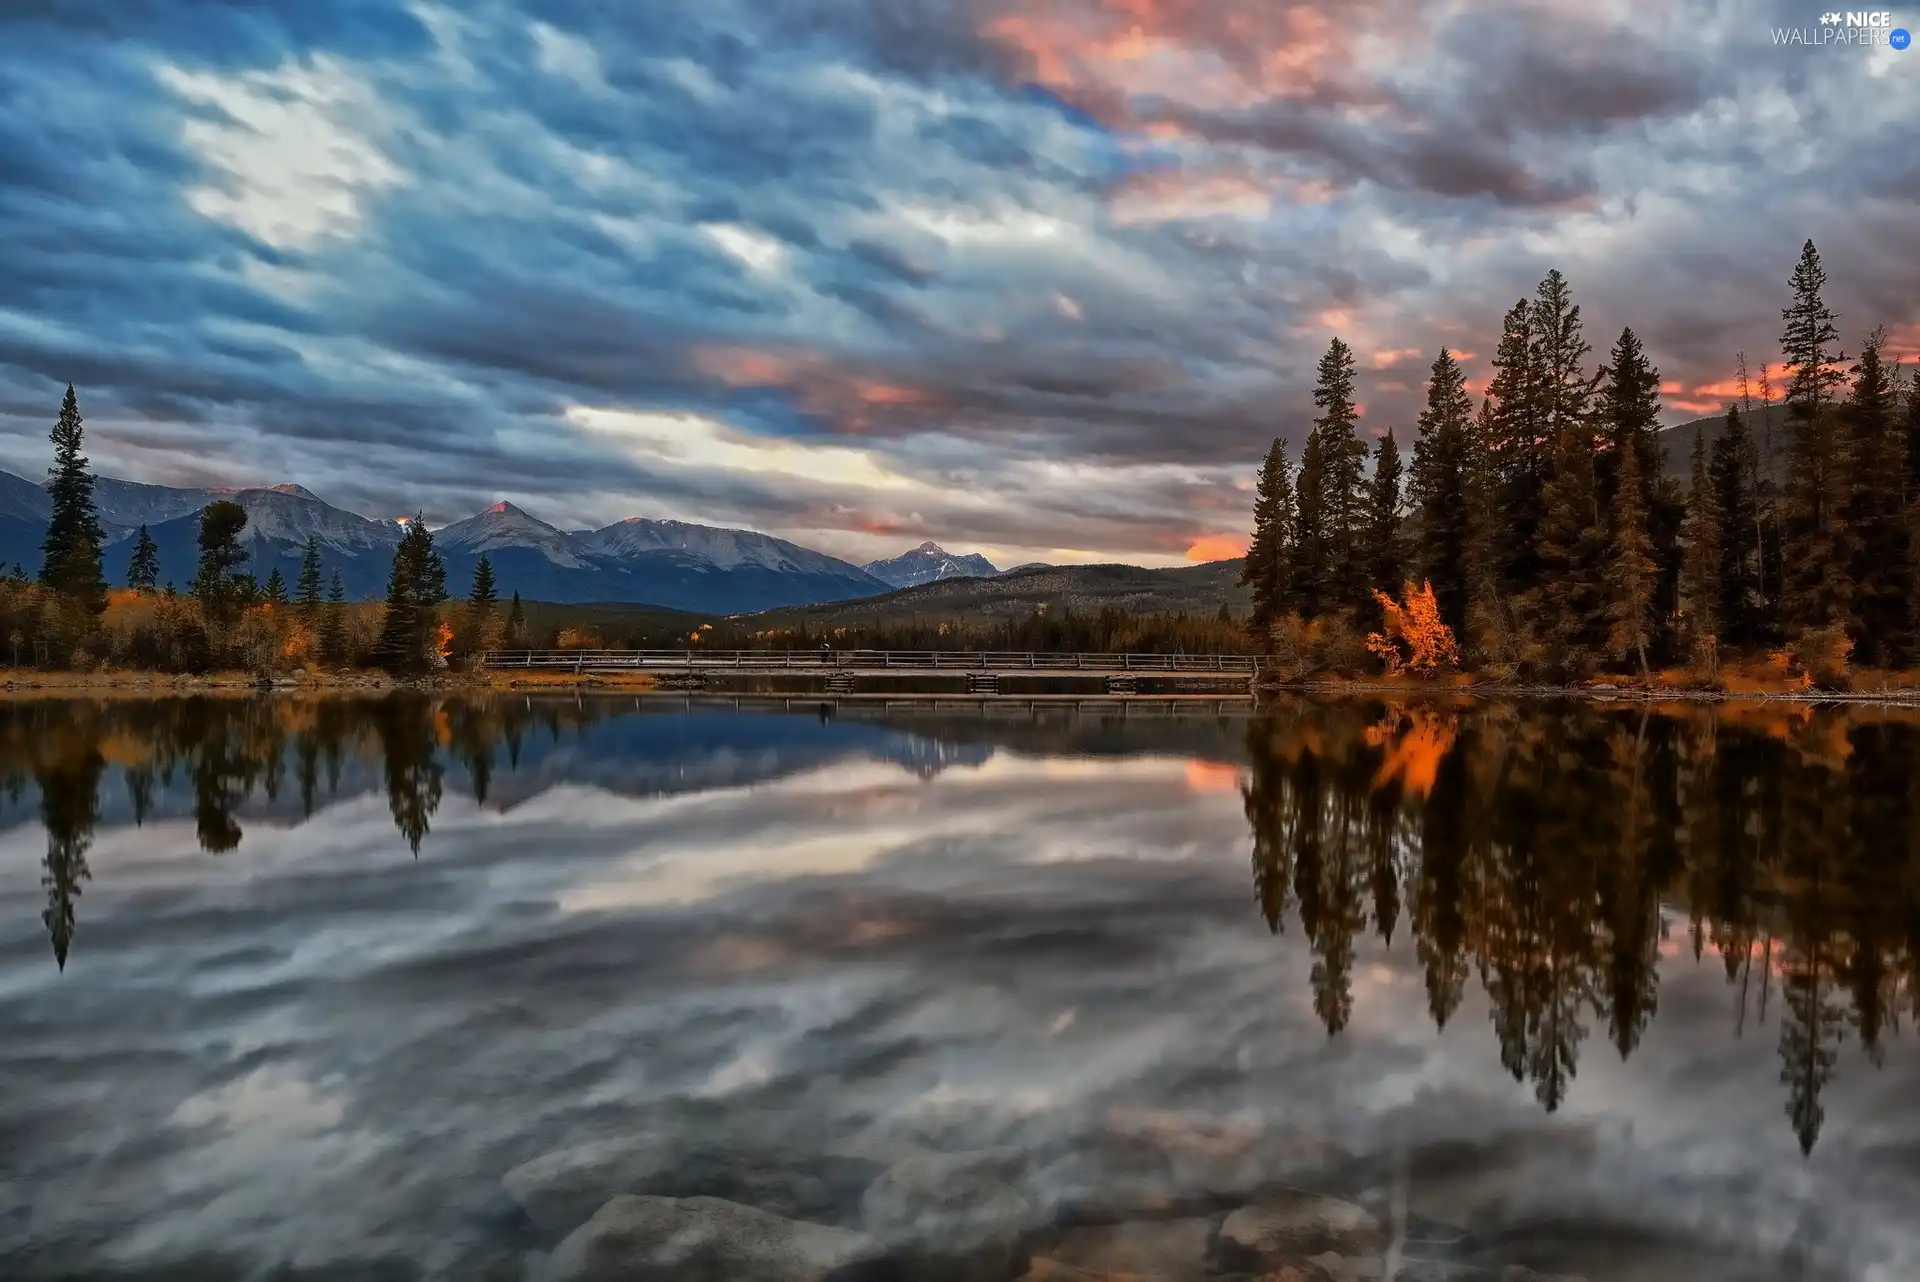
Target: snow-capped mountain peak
{"x":929,"y":563}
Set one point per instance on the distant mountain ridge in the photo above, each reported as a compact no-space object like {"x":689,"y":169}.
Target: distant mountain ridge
{"x":672,"y":564}
{"x":929,"y":563}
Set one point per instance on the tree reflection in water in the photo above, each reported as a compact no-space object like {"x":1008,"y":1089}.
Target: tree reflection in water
{"x":1536,"y":847}
{"x":228,"y":752}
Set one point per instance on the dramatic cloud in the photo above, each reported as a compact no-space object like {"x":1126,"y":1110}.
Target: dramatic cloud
{"x":1039,"y":278}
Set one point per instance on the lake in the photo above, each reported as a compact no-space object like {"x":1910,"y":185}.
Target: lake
{"x":632,"y":988}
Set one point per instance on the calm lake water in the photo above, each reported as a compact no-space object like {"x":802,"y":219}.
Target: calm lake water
{"x":405,"y":989}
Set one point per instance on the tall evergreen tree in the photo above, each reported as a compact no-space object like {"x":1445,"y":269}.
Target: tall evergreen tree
{"x":516,"y":622}
{"x":1700,"y":578}
{"x":1438,"y":485}
{"x":1519,"y":452}
{"x":1268,"y":568}
{"x":1386,"y":561}
{"x":1730,"y":472}
{"x":143,"y":569}
{"x":416,"y":587}
{"x":308,"y":586}
{"x":1343,"y":477}
{"x":1629,"y":408}
{"x":275,"y":588}
{"x":1568,"y":602}
{"x":222,"y":589}
{"x":1817,"y":550}
{"x":483,"y":596}
{"x":1877,"y":511}
{"x":1912,"y":424}
{"x":1630,"y":571}
{"x":72,"y":546}
{"x":333,"y":624}
{"x":1559,"y":352}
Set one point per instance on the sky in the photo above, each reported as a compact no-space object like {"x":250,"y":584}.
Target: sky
{"x":1040,"y":280}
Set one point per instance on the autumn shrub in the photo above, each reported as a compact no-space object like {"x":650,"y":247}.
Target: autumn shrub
{"x":1820,"y":655}
{"x":1330,"y":643}
{"x":1703,"y":657}
{"x":1415,"y":638}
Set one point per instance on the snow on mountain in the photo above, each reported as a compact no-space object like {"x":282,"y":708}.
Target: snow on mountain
{"x":725,"y":549}
{"x":505,"y":526}
{"x":929,"y":563}
{"x":291,"y":514}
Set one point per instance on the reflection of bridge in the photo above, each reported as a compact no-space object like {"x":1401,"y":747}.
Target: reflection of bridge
{"x":978,"y":673}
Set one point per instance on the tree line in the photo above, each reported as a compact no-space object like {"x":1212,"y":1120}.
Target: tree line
{"x":228,"y":617}
{"x":1552,"y":543}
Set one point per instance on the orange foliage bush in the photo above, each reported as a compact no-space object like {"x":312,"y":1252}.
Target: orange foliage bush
{"x":1416,"y":639}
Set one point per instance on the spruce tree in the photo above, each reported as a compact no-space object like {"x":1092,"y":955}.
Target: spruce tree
{"x":1560,"y":385}
{"x":1443,"y":513}
{"x":222,"y":590}
{"x":516,"y":623}
{"x":1629,"y":408}
{"x":1518,"y":453}
{"x":480,"y":602}
{"x":1568,"y":602}
{"x":1876,"y":518}
{"x":308,"y":585}
{"x":143,"y":570}
{"x":1730,"y":471}
{"x":333,"y":624}
{"x":1269,"y":561}
{"x":275,"y":588}
{"x":71,"y":566}
{"x":1817,"y":588}
{"x":1630,"y":570}
{"x":416,"y":587}
{"x":1386,"y":562}
{"x":1700,"y":576}
{"x":1912,"y":424}
{"x":1343,"y":461}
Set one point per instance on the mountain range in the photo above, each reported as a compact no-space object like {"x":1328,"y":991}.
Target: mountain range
{"x":672,"y":564}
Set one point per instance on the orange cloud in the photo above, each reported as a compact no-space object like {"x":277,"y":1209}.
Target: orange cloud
{"x":1216,"y":547}
{"x":853,"y":402}
{"x":1166,"y":195}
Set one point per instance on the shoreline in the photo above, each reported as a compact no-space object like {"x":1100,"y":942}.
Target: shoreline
{"x":16,"y":683}
{"x":1603,"y":693}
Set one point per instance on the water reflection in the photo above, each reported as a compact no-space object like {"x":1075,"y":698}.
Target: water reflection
{"x":1533,"y":848}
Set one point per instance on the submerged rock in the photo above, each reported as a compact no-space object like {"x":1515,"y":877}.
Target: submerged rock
{"x":701,"y":1239}
{"x":1288,"y":1225}
{"x":1144,"y":1251}
{"x":563,"y":1188}
{"x":950,"y":1201}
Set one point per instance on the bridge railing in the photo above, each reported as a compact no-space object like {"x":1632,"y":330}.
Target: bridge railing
{"x":867,"y":661}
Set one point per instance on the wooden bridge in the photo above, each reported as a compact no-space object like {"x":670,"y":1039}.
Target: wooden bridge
{"x":976,"y":673}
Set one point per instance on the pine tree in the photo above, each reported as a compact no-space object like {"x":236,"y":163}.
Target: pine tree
{"x":1564,"y":394}
{"x":1817,"y":547}
{"x":1700,"y":577}
{"x":1629,"y":408}
{"x":480,"y":602}
{"x":1568,"y":602}
{"x":1876,"y":517}
{"x":1730,"y":471}
{"x":221,"y":589}
{"x":308,"y":585}
{"x":516,"y":623}
{"x":1630,"y":570}
{"x":1518,"y":453}
{"x":72,"y":546}
{"x":143,"y":570}
{"x":1343,"y":461}
{"x":333,"y":624}
{"x":1386,"y":562}
{"x":483,"y":596}
{"x":275,"y":589}
{"x":416,"y":587}
{"x":1269,"y":562}
{"x":1437,"y":484}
